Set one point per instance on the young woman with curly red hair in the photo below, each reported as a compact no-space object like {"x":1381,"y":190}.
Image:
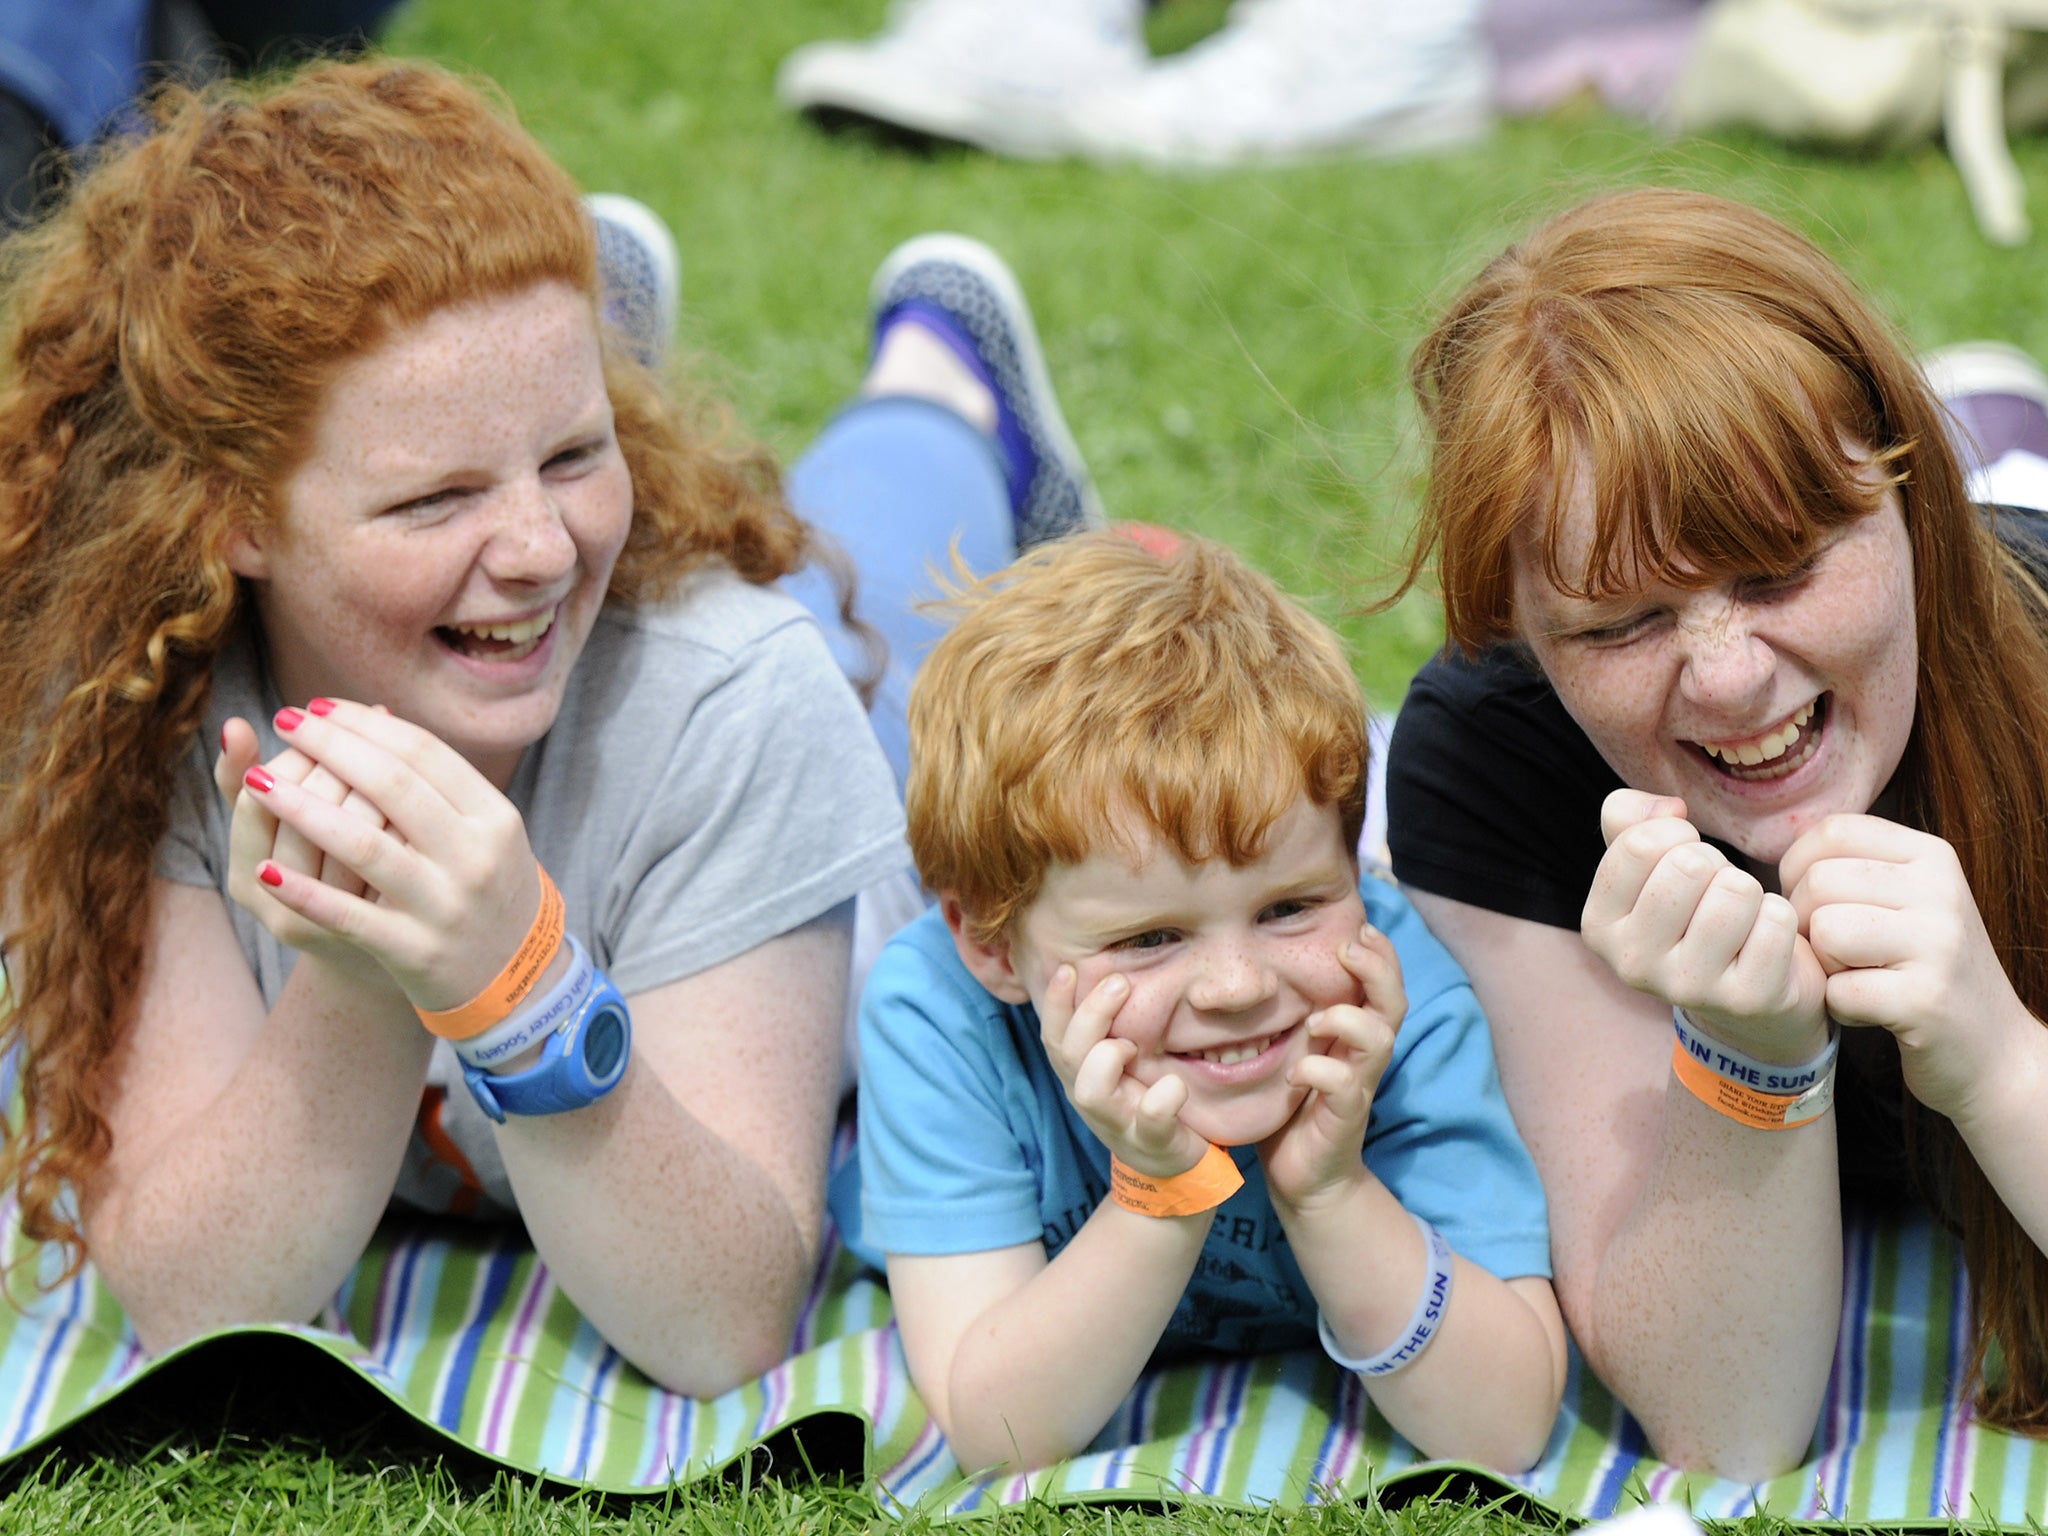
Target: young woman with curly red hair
{"x":1740,"y":749}
{"x":387,"y":658}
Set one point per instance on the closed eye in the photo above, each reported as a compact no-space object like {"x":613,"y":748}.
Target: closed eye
{"x":1621,"y":630}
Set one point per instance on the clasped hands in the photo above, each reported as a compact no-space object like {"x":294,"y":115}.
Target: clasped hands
{"x":1876,"y":926}
{"x":370,"y":839}
{"x":1314,"y":1155}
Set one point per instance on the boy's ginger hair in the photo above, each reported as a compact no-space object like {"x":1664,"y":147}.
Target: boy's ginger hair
{"x":1095,"y":678}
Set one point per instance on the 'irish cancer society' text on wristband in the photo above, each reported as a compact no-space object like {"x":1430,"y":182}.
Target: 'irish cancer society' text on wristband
{"x":581,"y":1062}
{"x":536,"y":1018}
{"x":1422,"y":1327}
{"x":1756,"y":1093}
{"x":509,"y":987}
{"x":1203,"y":1187}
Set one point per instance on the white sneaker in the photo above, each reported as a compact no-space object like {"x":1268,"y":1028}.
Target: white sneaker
{"x":998,"y":75}
{"x":1292,"y":79}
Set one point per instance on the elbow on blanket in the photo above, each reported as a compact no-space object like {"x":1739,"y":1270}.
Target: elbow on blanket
{"x":1751,"y":1452}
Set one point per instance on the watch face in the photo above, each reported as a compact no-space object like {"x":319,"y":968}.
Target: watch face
{"x":604,"y":1044}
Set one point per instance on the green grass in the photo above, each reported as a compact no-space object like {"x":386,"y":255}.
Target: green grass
{"x":1229,"y":350}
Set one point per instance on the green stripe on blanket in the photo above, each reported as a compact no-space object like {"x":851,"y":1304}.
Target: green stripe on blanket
{"x":461,"y":1328}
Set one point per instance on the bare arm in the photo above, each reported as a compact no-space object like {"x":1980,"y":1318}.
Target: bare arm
{"x":251,"y":1156}
{"x":1021,"y":1360}
{"x":1698,"y":1261}
{"x":1487,"y":1386}
{"x":682,"y":1213}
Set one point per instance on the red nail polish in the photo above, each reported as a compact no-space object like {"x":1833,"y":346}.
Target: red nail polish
{"x":289,"y":719}
{"x":269,"y":873}
{"x":321,"y":706}
{"x":223,"y":738}
{"x":259,"y":779}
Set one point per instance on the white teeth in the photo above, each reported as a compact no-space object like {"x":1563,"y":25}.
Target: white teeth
{"x":1765,"y":748}
{"x":518,"y":634}
{"x":1230,"y":1055}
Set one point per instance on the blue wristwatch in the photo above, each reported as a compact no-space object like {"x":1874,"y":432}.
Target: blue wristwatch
{"x":581,"y":1062}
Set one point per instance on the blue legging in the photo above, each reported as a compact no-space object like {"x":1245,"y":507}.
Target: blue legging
{"x":898,"y":483}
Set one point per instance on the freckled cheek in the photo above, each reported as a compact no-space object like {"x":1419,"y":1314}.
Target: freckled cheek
{"x":1146,"y":1013}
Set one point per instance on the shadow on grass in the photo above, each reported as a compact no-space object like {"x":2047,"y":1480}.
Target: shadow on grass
{"x":254,"y":1392}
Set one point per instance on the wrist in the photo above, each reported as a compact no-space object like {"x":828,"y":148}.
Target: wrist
{"x":1323,"y":1197}
{"x":2011,"y":1096}
{"x":1759,"y":1094}
{"x":1782,"y":1042}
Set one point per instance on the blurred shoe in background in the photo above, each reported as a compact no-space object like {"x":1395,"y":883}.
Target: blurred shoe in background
{"x":1295,"y":79}
{"x":639,"y":273}
{"x":1997,"y":398}
{"x":1001,"y":77}
{"x":1281,"y":80}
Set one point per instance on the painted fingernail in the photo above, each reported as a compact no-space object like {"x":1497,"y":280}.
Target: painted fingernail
{"x":223,"y":738}
{"x":289,"y":719}
{"x":269,"y":873}
{"x":321,"y":706}
{"x":259,"y":779}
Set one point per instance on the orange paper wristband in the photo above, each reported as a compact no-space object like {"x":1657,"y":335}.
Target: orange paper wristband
{"x":1765,"y":1111}
{"x":509,"y":987}
{"x":1202,"y":1188}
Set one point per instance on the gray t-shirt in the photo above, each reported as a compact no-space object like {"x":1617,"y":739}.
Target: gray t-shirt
{"x":711,"y":782}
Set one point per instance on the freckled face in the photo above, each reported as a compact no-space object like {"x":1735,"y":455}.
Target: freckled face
{"x":1224,"y":964}
{"x":445,"y":546}
{"x":1766,"y":705}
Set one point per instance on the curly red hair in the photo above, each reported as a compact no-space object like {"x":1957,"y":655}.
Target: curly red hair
{"x":169,"y":331}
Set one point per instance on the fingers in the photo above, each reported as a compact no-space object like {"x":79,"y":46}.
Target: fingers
{"x":1373,"y":961}
{"x":239,"y":749}
{"x":353,"y":838}
{"x":1101,"y":1073}
{"x":1626,"y":808}
{"x":1072,"y":1030}
{"x":419,"y":783}
{"x":1870,"y":838}
{"x":1634,"y":855}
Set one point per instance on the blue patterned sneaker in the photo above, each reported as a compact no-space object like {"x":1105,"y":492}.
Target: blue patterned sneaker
{"x":639,"y":273}
{"x":960,"y":291}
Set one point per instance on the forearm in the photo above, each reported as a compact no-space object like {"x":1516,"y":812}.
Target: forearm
{"x":256,"y":1208}
{"x":1035,"y":1378}
{"x":2007,"y":1131}
{"x":679,"y":1249}
{"x":1714,"y":1311}
{"x":1487,"y":1385}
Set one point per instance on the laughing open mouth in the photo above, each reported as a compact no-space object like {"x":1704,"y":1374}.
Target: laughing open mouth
{"x":498,"y":642}
{"x":1776,"y":753}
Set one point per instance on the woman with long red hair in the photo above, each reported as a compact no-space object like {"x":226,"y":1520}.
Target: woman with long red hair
{"x":418,"y":785}
{"x":1731,"y":793}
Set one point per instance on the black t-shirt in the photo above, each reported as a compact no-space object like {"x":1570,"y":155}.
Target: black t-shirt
{"x":1493,"y":791}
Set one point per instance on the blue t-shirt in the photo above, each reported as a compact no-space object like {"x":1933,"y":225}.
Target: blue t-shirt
{"x":968,"y":1142}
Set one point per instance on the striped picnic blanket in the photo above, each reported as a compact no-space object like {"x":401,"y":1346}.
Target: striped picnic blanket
{"x":461,"y":1328}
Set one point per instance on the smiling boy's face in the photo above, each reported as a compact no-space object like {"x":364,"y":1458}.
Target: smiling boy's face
{"x":1224,"y":964}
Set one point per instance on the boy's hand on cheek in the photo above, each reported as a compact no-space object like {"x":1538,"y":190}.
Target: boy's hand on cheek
{"x":1318,"y":1152}
{"x":1139,"y":1124}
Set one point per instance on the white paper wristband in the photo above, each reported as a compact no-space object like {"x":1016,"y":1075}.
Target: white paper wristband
{"x":1430,"y":1309}
{"x":1759,"y":1076}
{"x":536,"y":1018}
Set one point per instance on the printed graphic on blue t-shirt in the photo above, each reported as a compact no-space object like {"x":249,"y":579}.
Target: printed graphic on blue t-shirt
{"x":968,"y":1142}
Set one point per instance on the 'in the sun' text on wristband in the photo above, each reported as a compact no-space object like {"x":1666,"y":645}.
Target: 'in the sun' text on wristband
{"x":1762,"y":1094}
{"x":1428,"y":1319}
